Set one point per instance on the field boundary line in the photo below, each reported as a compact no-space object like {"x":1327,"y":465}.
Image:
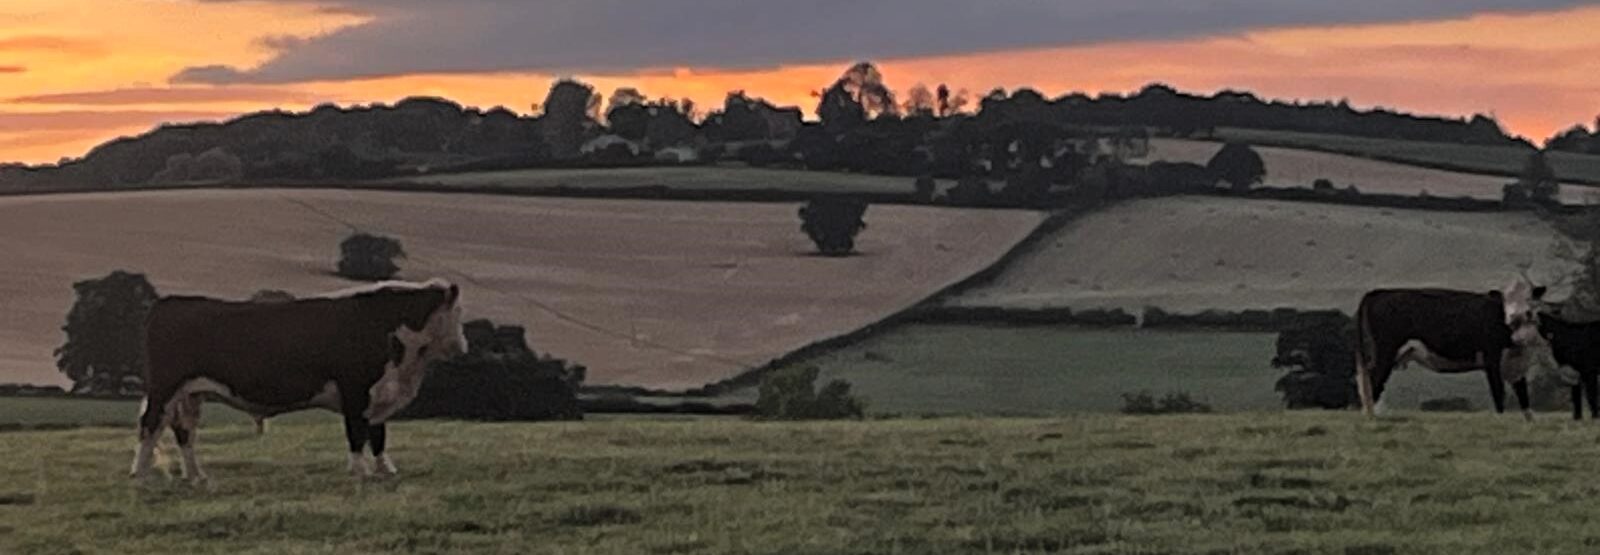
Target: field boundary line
{"x":752,"y":377}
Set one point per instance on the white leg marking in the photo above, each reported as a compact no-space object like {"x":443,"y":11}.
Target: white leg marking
{"x":191,"y":465}
{"x":386,"y":466}
{"x":143,"y":455}
{"x":358,"y":465}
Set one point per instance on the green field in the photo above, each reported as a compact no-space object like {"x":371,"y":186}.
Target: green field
{"x":1313,"y":482}
{"x":941,"y":369}
{"x":1494,"y":160}
{"x":697,"y":178}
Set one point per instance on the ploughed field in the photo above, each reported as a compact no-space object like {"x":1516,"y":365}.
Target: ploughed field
{"x":1294,"y":167}
{"x":655,"y":294}
{"x":1308,"y":482}
{"x":1185,"y":254}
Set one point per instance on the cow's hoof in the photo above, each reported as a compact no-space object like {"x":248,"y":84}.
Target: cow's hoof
{"x":385,"y":467}
{"x":358,"y":466}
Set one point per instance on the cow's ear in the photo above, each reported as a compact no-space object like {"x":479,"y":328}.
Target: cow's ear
{"x":1538,"y":292}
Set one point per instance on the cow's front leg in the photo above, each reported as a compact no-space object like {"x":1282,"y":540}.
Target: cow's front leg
{"x":1497,"y":386}
{"x":1591,"y":390}
{"x":378,"y":436}
{"x":1577,"y":402}
{"x":353,"y":403}
{"x":1520,"y":387}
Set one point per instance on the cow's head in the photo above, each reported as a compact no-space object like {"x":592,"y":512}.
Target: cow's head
{"x":411,"y":351}
{"x":1521,"y":299}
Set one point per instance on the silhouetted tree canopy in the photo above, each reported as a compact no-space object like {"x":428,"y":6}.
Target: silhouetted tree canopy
{"x":1239,"y":165}
{"x":832,"y":223}
{"x":369,"y":257}
{"x":569,"y":112}
{"x":104,"y":349}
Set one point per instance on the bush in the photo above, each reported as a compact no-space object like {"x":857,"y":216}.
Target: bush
{"x":498,"y":379}
{"x":1239,"y":165}
{"x":1316,"y":349}
{"x":369,"y":257}
{"x":787,"y":394}
{"x":1322,"y":185}
{"x":104,"y":351}
{"x":833,"y":224}
{"x":926,"y":188}
{"x":970,"y":191}
{"x":1172,"y":403}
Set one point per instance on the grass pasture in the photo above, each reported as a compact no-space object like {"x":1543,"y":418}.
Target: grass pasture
{"x":1502,"y":161}
{"x":1186,"y":254}
{"x":1313,"y":482}
{"x":1298,"y":167}
{"x":649,"y":293}
{"x":1043,"y":370}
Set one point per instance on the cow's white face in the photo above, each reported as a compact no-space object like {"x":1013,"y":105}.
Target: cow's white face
{"x":440,"y":338}
{"x":1519,"y":298}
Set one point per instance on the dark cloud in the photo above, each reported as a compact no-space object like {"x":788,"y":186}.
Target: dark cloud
{"x":12,"y":69}
{"x":12,"y":122}
{"x":600,"y":36}
{"x":185,"y":95}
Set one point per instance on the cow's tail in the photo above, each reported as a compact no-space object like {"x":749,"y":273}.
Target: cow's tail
{"x":1363,"y":357}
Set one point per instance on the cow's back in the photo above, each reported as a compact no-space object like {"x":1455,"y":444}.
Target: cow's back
{"x":1453,"y":323}
{"x":268,"y":353}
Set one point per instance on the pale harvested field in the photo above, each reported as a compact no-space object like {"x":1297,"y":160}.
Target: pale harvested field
{"x":1191,"y":253}
{"x":728,"y":283}
{"x":1290,"y":167}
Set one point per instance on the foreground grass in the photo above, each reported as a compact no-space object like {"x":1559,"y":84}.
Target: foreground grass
{"x":1250,"y":483}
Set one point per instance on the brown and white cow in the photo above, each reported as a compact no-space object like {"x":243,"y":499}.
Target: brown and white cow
{"x":359,"y":352}
{"x":1448,"y":331}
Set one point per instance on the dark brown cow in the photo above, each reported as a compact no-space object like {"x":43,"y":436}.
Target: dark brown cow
{"x":359,"y":352}
{"x":1449,"y":331}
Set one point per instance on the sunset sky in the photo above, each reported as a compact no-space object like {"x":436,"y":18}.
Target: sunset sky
{"x":74,"y":73}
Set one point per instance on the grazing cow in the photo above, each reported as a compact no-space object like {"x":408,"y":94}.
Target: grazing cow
{"x":1449,"y":331}
{"x":360,"y":352}
{"x":1576,"y":346}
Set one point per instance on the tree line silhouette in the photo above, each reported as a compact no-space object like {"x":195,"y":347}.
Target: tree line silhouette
{"x":862,"y":125}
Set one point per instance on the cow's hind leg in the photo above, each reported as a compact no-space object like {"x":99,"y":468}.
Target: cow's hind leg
{"x":185,"y":420}
{"x":152,"y":418}
{"x":378,"y":436}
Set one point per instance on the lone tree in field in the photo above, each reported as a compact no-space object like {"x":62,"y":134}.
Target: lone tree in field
{"x":104,"y":351}
{"x":369,"y":257}
{"x":833,"y":224}
{"x":1238,"y":165}
{"x":1538,"y":179}
{"x":791,"y":394}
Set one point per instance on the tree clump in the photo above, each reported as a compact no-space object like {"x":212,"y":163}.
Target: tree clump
{"x":368,"y":257}
{"x":833,"y":224}
{"x":1238,"y":165}
{"x":104,"y":350}
{"x":498,"y":379}
{"x":790,"y":394}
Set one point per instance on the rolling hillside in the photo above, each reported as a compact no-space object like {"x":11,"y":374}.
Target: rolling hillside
{"x":656,"y":294}
{"x":1195,"y":253}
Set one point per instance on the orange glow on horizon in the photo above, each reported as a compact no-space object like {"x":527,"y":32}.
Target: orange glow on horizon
{"x":88,"y":71}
